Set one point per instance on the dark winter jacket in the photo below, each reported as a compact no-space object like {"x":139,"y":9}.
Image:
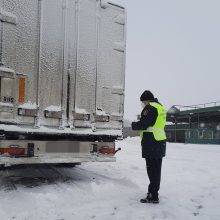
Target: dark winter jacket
{"x":151,"y":148}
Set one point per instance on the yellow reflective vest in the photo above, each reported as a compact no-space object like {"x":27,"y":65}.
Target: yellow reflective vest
{"x":158,"y":128}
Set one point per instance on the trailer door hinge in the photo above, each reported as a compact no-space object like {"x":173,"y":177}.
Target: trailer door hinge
{"x":103,"y":4}
{"x":119,"y":46}
{"x":120,"y":19}
{"x":8,"y":17}
{"x":6,"y":72}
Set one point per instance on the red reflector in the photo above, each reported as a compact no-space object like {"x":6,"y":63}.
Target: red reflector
{"x":13,"y":151}
{"x":106,"y":150}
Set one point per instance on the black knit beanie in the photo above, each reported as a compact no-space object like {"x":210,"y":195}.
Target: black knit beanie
{"x":147,"y":95}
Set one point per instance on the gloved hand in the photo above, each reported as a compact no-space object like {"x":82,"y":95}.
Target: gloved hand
{"x":132,"y":125}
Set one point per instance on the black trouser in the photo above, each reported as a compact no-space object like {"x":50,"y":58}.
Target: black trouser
{"x":154,"y":174}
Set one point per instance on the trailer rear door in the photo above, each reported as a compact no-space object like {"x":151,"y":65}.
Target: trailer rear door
{"x":63,"y":63}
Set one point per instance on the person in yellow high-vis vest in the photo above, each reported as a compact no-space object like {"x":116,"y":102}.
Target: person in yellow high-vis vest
{"x":153,"y":141}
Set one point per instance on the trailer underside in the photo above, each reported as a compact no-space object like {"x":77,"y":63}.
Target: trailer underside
{"x":49,"y":148}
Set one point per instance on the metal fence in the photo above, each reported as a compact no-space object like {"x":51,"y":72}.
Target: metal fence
{"x":195,"y":136}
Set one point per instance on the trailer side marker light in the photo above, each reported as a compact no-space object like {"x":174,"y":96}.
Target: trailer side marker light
{"x":21,"y":97}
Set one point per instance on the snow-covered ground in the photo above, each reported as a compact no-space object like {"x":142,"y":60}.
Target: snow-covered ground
{"x":190,"y":188}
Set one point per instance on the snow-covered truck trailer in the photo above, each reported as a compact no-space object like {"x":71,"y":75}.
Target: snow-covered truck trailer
{"x":62,"y":72}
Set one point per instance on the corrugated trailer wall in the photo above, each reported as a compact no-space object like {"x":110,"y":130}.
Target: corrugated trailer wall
{"x":63,"y":64}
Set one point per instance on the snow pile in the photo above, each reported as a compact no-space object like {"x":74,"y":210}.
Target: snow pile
{"x":2,"y":68}
{"x":6,"y":104}
{"x":190,"y":188}
{"x":53,"y":108}
{"x":28,"y":105}
{"x":80,"y":110}
{"x":101,"y":113}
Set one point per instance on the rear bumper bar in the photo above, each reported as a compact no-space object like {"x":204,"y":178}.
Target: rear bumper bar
{"x":54,"y":159}
{"x":54,"y":152}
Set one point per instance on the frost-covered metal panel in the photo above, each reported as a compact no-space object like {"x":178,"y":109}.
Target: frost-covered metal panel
{"x":72,"y":38}
{"x":51,"y":57}
{"x":1,"y":29}
{"x":8,"y":22}
{"x":111,"y":61}
{"x":8,"y":33}
{"x":64,"y":62}
{"x":27,"y":36}
{"x":19,"y":49}
{"x":86,"y":62}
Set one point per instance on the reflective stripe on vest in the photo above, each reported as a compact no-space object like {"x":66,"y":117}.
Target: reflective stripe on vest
{"x":158,"y":128}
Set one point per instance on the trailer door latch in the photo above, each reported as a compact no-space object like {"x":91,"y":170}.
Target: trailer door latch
{"x":30,"y":150}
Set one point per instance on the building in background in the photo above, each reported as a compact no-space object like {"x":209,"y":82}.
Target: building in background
{"x":199,"y":124}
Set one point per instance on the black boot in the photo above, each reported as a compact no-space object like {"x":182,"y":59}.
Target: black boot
{"x":150,"y":199}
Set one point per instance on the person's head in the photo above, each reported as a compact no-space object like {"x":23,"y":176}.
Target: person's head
{"x":146,"y":97}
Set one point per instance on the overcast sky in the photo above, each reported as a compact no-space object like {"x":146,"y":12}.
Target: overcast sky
{"x":173,"y":49}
